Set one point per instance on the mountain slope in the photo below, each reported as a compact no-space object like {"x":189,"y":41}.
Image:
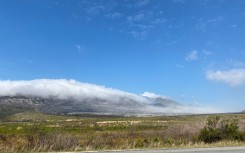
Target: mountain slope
{"x":70,"y":96}
{"x":126,"y":106}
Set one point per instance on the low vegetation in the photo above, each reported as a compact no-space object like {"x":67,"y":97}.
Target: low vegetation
{"x":35,"y":132}
{"x":217,"y":130}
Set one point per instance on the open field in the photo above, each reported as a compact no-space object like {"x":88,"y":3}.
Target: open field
{"x":32,"y":131}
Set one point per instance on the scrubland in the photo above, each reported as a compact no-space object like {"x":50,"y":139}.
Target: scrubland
{"x":36,"y":132}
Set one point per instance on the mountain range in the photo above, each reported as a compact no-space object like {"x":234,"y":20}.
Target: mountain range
{"x":70,"y":96}
{"x":53,"y":105}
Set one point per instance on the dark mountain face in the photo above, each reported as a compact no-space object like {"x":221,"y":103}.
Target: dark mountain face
{"x":53,"y":105}
{"x":161,"y":102}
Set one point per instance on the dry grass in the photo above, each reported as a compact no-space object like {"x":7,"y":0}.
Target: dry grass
{"x":54,"y":133}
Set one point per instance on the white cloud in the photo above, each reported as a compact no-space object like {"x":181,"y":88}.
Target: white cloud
{"x":192,"y":56}
{"x":61,"y":89}
{"x":66,"y":89}
{"x":153,"y":95}
{"x":234,"y":77}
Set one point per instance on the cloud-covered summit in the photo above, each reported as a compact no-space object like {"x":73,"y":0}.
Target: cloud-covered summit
{"x":62,"y":89}
{"x":153,"y":95}
{"x":77,"y":94}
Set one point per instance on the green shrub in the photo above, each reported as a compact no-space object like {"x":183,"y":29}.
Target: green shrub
{"x":226,"y":130}
{"x":156,"y":140}
{"x":3,"y":137}
{"x":169,"y":141}
{"x":139,"y":143}
{"x":209,"y":135}
{"x":142,"y":143}
{"x":230,"y":130}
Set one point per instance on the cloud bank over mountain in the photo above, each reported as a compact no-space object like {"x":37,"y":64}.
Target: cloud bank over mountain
{"x":96,"y":95}
{"x":62,"y":89}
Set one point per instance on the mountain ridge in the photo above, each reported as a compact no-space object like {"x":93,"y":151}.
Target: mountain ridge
{"x":53,"y":105}
{"x":60,"y":96}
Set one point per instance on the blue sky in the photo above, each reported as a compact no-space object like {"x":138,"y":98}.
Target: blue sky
{"x":190,"y":50}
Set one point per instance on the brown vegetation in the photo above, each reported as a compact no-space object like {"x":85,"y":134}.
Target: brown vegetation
{"x":59,"y":133}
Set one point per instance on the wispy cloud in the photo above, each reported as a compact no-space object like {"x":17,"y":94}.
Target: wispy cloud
{"x":141,"y":26}
{"x":179,"y":1}
{"x":136,"y":18}
{"x":153,"y":95}
{"x":236,"y":63}
{"x":203,"y":24}
{"x":233,"y":77}
{"x":140,"y":35}
{"x":234,"y":26}
{"x":141,"y":23}
{"x":96,"y":9}
{"x":114,"y":15}
{"x":192,"y":56}
{"x":141,"y":3}
{"x":78,"y":48}
{"x":207,"y":53}
{"x":158,"y":21}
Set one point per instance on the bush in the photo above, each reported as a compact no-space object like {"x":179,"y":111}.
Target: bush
{"x":230,"y":130}
{"x":226,"y":130}
{"x":3,"y":137}
{"x":139,"y":144}
{"x":209,"y":135}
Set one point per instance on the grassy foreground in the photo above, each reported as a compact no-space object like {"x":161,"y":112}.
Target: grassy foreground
{"x":36,"y":132}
